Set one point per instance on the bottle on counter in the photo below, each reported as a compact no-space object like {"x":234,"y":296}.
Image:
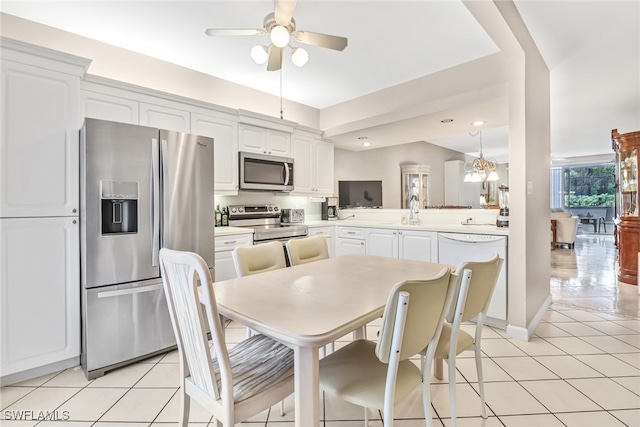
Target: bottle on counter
{"x":218,"y":216}
{"x":225,"y":217}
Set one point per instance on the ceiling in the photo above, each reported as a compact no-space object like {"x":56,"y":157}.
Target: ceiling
{"x":592,"y":49}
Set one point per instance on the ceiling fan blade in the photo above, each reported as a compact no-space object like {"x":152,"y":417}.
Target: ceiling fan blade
{"x":234,"y":32}
{"x":284,"y":11}
{"x":322,"y":40}
{"x":275,"y":58}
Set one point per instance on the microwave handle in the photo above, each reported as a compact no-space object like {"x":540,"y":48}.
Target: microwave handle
{"x":286,"y":174}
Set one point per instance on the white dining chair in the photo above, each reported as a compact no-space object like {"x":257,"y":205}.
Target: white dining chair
{"x":308,"y":249}
{"x":378,"y":375}
{"x":471,"y":301}
{"x":235,"y":384}
{"x":258,"y":258}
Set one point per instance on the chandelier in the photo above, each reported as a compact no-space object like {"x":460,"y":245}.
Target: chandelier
{"x":480,"y":169}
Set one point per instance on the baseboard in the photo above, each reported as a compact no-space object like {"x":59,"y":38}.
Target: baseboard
{"x":524,"y":334}
{"x":39,"y":371}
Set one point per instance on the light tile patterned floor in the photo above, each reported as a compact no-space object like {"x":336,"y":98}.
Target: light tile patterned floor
{"x":581,"y":369}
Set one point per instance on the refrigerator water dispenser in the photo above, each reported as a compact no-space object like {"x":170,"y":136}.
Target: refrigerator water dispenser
{"x":119,"y":207}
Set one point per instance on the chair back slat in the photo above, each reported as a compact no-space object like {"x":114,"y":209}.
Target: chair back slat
{"x":425,"y":314}
{"x":181,"y":273}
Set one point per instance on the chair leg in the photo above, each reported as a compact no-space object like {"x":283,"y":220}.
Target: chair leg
{"x":282,"y":413}
{"x":184,"y":408}
{"x":438,"y":372}
{"x":480,"y":379}
{"x":366,"y":417}
{"x":452,"y":389}
{"x":426,"y":395}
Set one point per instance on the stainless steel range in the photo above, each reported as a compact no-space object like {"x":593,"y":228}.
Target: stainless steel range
{"x":266,"y":223}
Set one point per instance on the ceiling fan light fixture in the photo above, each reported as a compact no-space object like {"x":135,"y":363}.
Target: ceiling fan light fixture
{"x":259,"y":54}
{"x":280,"y":36}
{"x":299,"y":56}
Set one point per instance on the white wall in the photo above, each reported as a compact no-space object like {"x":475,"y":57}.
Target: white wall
{"x":126,"y":66}
{"x":384,"y":164}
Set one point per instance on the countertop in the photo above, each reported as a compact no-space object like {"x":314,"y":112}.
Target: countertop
{"x":226,"y":231}
{"x":445,"y":228}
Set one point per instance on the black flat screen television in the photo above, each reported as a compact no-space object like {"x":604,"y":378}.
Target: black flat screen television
{"x":360,"y":194}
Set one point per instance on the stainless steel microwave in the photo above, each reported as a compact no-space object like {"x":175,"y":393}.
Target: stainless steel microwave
{"x":264,"y":172}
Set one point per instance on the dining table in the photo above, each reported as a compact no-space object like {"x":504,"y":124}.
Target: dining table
{"x":311,"y":305}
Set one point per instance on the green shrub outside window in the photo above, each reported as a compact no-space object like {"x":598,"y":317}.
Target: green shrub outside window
{"x":589,"y":186}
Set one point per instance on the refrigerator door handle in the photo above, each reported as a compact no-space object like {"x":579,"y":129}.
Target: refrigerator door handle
{"x":130,"y":291}
{"x":164,"y":176}
{"x":155,"y":204}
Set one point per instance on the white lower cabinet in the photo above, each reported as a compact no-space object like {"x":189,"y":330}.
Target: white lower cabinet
{"x":351,"y":240}
{"x":224,"y":267}
{"x":394,"y":243}
{"x":382,"y":242}
{"x":418,"y":245}
{"x":327,"y":232}
{"x":39,"y":295}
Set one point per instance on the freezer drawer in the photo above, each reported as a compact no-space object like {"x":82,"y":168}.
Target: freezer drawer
{"x":122,"y":323}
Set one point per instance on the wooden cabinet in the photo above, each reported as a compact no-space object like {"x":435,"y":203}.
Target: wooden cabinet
{"x":162,"y":117}
{"x":418,"y":245}
{"x":627,"y":218}
{"x":256,"y":139}
{"x":39,"y":203}
{"x":405,"y":244}
{"x":224,"y":246}
{"x":40,"y":294}
{"x":327,"y":232}
{"x":313,"y":160}
{"x":351,"y":240}
{"x":382,"y":242}
{"x":101,"y":106}
{"x":39,"y":142}
{"x":224,"y":131}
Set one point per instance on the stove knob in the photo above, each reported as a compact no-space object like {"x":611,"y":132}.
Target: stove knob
{"x":233,"y":210}
{"x":240,"y":209}
{"x":270,"y":208}
{"x":275,"y":208}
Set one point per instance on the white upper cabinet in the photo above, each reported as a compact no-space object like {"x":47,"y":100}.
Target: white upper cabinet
{"x":106,"y":107}
{"x":39,"y":149}
{"x":256,"y":139}
{"x":162,"y":117}
{"x":313,"y":166}
{"x":224,"y":132}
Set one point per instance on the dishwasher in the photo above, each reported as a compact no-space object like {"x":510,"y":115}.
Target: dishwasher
{"x":456,"y":248}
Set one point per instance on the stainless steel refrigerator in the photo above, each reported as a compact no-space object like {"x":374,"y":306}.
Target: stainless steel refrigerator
{"x":141,"y":189}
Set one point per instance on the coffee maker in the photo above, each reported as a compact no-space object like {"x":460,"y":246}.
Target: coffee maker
{"x":503,"y":201}
{"x":330,"y":209}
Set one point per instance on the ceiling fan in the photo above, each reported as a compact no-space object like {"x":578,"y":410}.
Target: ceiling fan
{"x":281,"y":27}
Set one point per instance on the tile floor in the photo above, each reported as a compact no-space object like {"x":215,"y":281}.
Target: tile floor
{"x":582,"y":368}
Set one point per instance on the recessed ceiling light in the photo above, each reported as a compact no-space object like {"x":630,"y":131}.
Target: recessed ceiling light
{"x":364,"y":140}
{"x":478,"y":123}
{"x":366,"y":144}
{"x":446,"y":120}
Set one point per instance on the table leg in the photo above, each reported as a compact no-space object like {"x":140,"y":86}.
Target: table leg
{"x":307,"y":388}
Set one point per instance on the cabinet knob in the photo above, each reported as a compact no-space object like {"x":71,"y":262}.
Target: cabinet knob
{"x":74,"y":221}
{"x":74,"y":210}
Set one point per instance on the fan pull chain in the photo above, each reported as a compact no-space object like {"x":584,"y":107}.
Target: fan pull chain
{"x":281,"y":116}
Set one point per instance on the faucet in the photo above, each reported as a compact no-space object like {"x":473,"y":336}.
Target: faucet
{"x":414,"y":211}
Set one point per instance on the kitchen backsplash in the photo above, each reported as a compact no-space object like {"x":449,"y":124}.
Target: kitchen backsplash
{"x":312,"y":207}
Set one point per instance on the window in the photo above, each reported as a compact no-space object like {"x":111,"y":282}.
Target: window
{"x":589,"y":186}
